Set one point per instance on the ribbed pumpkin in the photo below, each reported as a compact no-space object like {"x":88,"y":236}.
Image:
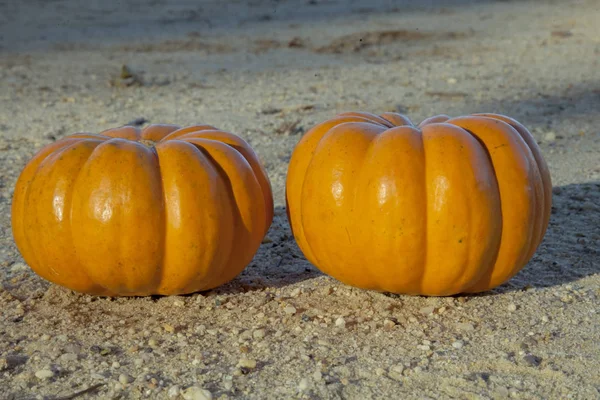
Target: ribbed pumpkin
{"x":450,"y":206}
{"x":163,"y":210}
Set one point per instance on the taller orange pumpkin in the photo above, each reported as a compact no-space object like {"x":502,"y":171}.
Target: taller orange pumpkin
{"x":452,"y":205}
{"x":130,"y":212}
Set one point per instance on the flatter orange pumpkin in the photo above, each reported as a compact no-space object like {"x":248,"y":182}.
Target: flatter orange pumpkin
{"x":163,"y":210}
{"x":450,"y":206}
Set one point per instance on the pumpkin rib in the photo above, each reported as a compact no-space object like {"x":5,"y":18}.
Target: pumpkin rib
{"x":33,"y":251}
{"x":49,"y":243}
{"x":397,"y":119}
{"x":489,"y":269}
{"x":323,"y":171}
{"x":459,"y":210}
{"x":355,"y":192}
{"x":200,"y":242}
{"x":299,"y":163}
{"x":160,"y":272}
{"x":436,"y":119}
{"x":244,"y":149}
{"x":373,"y":118}
{"x":538,"y":190}
{"x":234,"y":211}
{"x":86,"y":135}
{"x":157,"y":132}
{"x":539,"y":196}
{"x":97,"y":289}
{"x":121,"y":260}
{"x":123,"y":132}
{"x":188,"y":129}
{"x":230,"y":163}
{"x":496,"y":217}
{"x":543,"y":171}
{"x":426,"y":208}
{"x":22,"y":188}
{"x":393,"y":160}
{"x":511,"y":168}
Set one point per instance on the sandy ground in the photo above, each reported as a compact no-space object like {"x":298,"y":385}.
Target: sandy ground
{"x":269,"y":70}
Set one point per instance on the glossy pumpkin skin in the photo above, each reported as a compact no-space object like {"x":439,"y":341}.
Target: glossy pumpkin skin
{"x":128,"y":212}
{"x":453,"y":205}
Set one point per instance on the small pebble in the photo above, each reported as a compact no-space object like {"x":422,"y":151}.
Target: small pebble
{"x":550,"y":137}
{"x":512,"y":307}
{"x":178,"y":303}
{"x":295,"y":292}
{"x":427,"y":310}
{"x":423,"y":347}
{"x":196,"y":393}
{"x":317,"y":376}
{"x":290,"y":310}
{"x":340,"y":322}
{"x":388,"y":324}
{"x":396,"y":372}
{"x":67,"y":357}
{"x":451,"y":81}
{"x":44,"y":374}
{"x":458,"y":344}
{"x":228,"y":382}
{"x":465,"y":326}
{"x":16,"y":267}
{"x":169,"y":328}
{"x":246,"y":363}
{"x":125,"y":379}
{"x":152,"y":343}
{"x":173,"y":392}
{"x":532,"y":360}
{"x":259,"y":334}
{"x":303,"y":385}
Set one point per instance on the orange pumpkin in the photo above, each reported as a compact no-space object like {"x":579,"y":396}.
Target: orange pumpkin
{"x":128,"y":212}
{"x":450,"y":206}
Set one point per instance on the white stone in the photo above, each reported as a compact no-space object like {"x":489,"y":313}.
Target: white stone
{"x":44,"y":374}
{"x":196,"y":393}
{"x":173,"y":392}
{"x":289,"y":310}
{"x":303,"y":385}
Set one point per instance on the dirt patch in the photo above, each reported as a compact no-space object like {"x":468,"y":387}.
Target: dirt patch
{"x":357,"y":42}
{"x":174,"y":46}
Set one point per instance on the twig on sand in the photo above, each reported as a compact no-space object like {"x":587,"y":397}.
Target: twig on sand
{"x":289,"y":128}
{"x":91,"y":389}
